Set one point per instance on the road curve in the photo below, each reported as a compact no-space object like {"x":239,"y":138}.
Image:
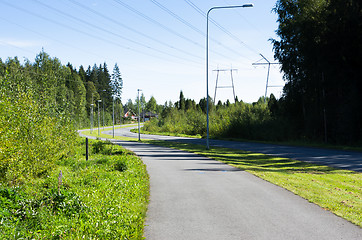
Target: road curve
{"x":335,"y":158}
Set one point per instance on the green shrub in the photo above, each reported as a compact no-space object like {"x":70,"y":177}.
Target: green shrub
{"x":102,"y":198}
{"x":120,"y":165}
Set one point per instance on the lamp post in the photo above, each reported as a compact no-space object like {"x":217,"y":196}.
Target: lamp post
{"x":91,"y":117}
{"x":91,"y":114}
{"x":99,"y":101}
{"x":113,"y":116}
{"x":104,"y":90}
{"x":139,"y":115}
{"x":207,"y":64}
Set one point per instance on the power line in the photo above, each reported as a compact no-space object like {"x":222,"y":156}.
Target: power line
{"x":178,"y":17}
{"x":190,"y":25}
{"x":133,"y":30}
{"x":197,"y":9}
{"x":54,"y":39}
{"x":107,"y":31}
{"x":86,"y":33}
{"x":162,"y":26}
{"x":14,"y":46}
{"x":249,"y":22}
{"x":155,"y":22}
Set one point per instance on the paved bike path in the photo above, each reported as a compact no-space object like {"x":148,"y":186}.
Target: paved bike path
{"x":193,"y":197}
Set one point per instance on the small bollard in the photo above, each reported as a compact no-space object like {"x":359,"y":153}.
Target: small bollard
{"x":86,"y":149}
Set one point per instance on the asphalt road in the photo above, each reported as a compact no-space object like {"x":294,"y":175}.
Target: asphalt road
{"x":193,"y":197}
{"x":340,"y":159}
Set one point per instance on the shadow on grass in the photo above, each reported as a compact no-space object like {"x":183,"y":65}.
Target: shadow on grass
{"x":255,"y":161}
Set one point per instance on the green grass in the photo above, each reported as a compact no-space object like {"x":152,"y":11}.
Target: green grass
{"x":110,"y":127}
{"x":338,"y":191}
{"x":166,"y":133}
{"x":101,"y":135}
{"x":105,"y":197}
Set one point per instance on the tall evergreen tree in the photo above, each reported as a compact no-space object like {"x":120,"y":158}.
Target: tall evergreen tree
{"x":116,"y":83}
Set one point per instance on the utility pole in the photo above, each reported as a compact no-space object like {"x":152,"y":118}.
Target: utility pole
{"x":103,"y":115}
{"x":91,"y":115}
{"x":139,"y":115}
{"x":267,"y":77}
{"x":113,"y":116}
{"x":99,"y":124}
{"x":120,"y":113}
{"x":232,"y":82}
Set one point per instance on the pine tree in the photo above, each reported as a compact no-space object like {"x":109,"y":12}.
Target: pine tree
{"x":116,"y":83}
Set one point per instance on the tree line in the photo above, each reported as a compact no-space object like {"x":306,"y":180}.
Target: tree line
{"x":320,"y":51}
{"x":319,"y":48}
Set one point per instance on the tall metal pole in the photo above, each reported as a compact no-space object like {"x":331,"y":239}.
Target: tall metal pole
{"x":139,"y":116}
{"x":267,"y":77}
{"x":103,"y":115}
{"x":91,"y":118}
{"x":91,"y":115}
{"x":120,"y":113}
{"x":113,"y":115}
{"x":207,"y":65}
{"x":99,"y":122}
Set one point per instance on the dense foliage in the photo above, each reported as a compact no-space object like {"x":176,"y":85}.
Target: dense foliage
{"x":35,"y":122}
{"x":320,"y":50}
{"x":253,"y":121}
{"x":103,"y":198}
{"x":47,"y":188}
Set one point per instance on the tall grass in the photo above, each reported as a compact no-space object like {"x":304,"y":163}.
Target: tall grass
{"x":103,"y":198}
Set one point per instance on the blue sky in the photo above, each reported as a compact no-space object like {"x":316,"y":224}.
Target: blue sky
{"x":159,"y":45}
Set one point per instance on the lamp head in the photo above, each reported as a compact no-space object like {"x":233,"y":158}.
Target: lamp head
{"x":248,"y":5}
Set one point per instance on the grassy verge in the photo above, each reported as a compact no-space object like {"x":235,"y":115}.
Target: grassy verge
{"x":101,"y":135}
{"x":110,"y":127}
{"x":103,"y":198}
{"x":339,"y":191}
{"x":166,"y":133}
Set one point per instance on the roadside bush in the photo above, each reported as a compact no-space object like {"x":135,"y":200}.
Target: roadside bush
{"x":32,"y":137}
{"x":239,"y":120}
{"x":120,"y":165}
{"x":103,"y":198}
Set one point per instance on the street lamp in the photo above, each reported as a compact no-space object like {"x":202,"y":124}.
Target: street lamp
{"x":91,"y":117}
{"x":104,"y":90}
{"x":207,"y":64}
{"x":91,"y":114}
{"x":113,"y":116}
{"x":139,"y":115}
{"x":99,"y":101}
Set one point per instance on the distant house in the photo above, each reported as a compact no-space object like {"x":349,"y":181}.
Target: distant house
{"x":130,"y":114}
{"x":145,"y":116}
{"x":148,"y":116}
